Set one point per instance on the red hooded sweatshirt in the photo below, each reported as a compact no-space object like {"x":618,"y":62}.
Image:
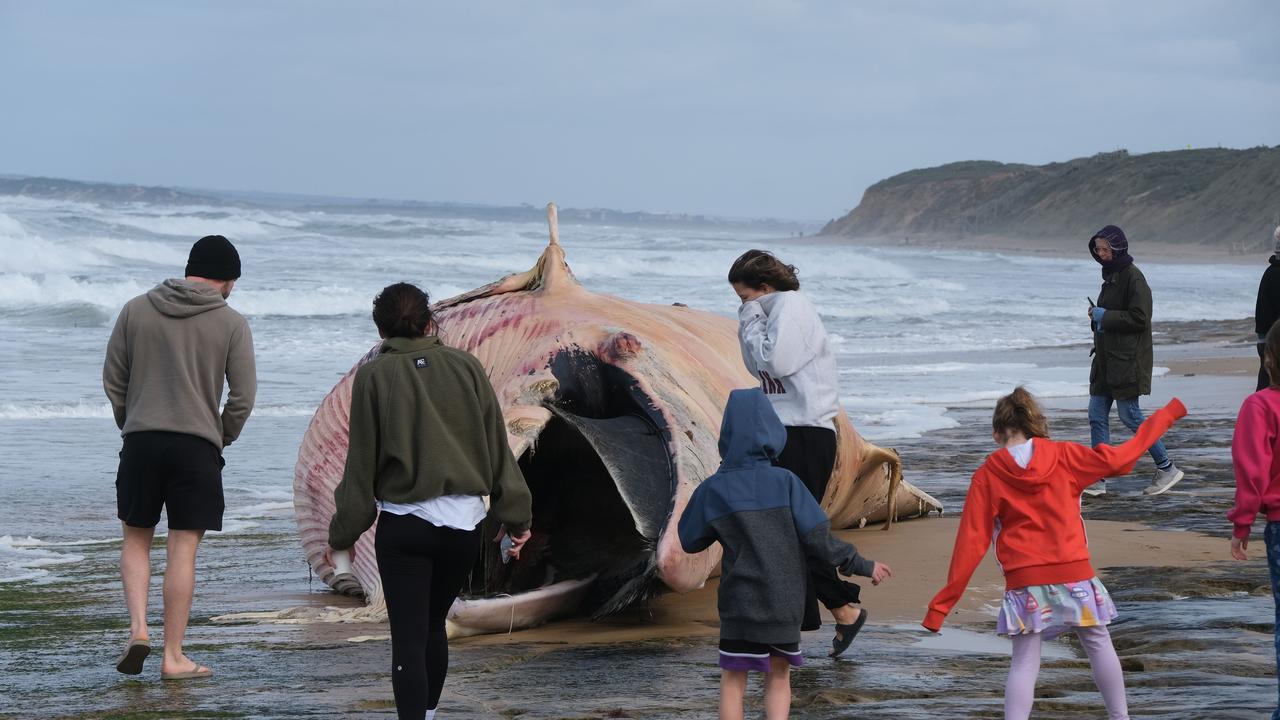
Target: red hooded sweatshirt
{"x":1033,"y":513}
{"x":1256,"y":461}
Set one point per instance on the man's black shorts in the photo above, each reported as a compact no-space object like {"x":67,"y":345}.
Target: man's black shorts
{"x":180,"y":472}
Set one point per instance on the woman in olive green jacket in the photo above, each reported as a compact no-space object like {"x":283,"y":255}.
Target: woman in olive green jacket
{"x":427,"y":444}
{"x":1122,"y":354}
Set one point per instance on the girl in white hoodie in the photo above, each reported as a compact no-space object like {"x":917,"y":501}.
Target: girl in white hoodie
{"x":785,"y":346}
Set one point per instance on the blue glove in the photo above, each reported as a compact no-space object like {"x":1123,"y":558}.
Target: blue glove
{"x":1097,"y":318}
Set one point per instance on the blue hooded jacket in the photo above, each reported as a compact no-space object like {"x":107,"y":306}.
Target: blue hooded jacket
{"x":767,"y":522}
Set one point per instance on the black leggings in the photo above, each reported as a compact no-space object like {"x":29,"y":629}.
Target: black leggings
{"x":423,"y":567}
{"x":810,"y":453}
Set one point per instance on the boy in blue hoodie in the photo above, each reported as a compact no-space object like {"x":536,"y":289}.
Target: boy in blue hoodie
{"x":767,"y":522}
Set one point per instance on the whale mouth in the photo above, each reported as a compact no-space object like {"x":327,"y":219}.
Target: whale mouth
{"x":602,"y":480}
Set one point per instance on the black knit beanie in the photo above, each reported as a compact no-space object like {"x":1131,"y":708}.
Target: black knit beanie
{"x":215,"y":258}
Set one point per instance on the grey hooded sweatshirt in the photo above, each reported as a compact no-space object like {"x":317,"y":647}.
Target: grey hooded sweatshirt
{"x":166,"y":360}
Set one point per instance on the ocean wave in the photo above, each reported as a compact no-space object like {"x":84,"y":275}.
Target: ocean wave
{"x":322,"y":301}
{"x":325,"y":301}
{"x":711,"y":265}
{"x":49,"y":411}
{"x":233,"y":525}
{"x":64,"y":315}
{"x":25,"y":559}
{"x":195,"y":221}
{"x":496,"y":265}
{"x":1044,"y":389}
{"x":188,"y":226}
{"x":25,"y":290}
{"x":35,"y":294}
{"x":923,"y":308}
{"x":24,"y":252}
{"x":33,"y":542}
{"x":261,"y":510}
{"x":156,"y":253}
{"x":935,"y":368}
{"x":915,"y":342}
{"x":101,"y":411}
{"x":277,"y":494}
{"x":292,"y":410}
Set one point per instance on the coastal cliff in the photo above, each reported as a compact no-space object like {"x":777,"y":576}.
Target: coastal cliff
{"x":1229,"y":199}
{"x":60,"y":189}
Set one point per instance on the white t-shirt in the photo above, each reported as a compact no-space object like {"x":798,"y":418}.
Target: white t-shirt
{"x":460,"y":512}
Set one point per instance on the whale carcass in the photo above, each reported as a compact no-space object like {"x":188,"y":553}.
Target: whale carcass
{"x":613,"y":409}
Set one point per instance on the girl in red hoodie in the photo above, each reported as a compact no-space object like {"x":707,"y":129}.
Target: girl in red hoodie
{"x":1027,"y":497}
{"x":1255,"y":454}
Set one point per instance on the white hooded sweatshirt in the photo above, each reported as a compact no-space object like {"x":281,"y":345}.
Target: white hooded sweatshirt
{"x":785,"y":346}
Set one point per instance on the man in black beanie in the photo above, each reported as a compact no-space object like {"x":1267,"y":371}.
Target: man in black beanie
{"x":166,"y":361}
{"x":1122,"y":352}
{"x":214,"y":258}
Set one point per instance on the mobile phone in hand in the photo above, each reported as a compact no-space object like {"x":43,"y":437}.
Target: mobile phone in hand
{"x":504,"y":547}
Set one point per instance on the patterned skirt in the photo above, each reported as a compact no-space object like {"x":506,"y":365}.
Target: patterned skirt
{"x":1054,"y":609}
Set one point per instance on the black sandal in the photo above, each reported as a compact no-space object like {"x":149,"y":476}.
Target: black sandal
{"x":845,"y":634}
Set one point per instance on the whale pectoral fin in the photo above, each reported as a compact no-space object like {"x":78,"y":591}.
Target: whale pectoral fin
{"x":637,"y":459}
{"x":875,"y":459}
{"x":895,"y":482}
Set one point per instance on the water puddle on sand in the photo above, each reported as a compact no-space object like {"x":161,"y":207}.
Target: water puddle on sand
{"x":972,"y":642}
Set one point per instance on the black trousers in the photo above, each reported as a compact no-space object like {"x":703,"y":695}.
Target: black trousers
{"x":423,"y":567}
{"x":811,"y":454}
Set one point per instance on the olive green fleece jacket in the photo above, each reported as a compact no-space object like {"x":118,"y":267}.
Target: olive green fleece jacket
{"x":425,"y":422}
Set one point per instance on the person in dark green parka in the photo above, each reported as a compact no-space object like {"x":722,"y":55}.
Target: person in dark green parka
{"x":1122,"y":354}
{"x":1267,"y":309}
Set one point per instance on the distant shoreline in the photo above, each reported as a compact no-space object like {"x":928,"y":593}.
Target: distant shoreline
{"x":1066,"y":248}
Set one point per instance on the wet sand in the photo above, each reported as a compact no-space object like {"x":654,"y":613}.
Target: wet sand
{"x":1214,"y":366}
{"x":919,"y":551}
{"x":1194,"y":634}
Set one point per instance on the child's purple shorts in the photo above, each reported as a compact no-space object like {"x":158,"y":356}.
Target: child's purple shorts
{"x":744,"y":655}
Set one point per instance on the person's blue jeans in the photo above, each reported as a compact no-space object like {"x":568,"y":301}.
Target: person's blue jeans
{"x":1272,"y":538}
{"x":1130,"y":414}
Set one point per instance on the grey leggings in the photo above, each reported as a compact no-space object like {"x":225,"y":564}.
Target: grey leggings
{"x":1020,"y":690}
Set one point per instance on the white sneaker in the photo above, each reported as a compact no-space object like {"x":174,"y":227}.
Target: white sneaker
{"x":1096,"y":489}
{"x":1163,"y":480}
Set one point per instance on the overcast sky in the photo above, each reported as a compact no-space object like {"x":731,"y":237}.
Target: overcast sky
{"x":785,"y":109}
